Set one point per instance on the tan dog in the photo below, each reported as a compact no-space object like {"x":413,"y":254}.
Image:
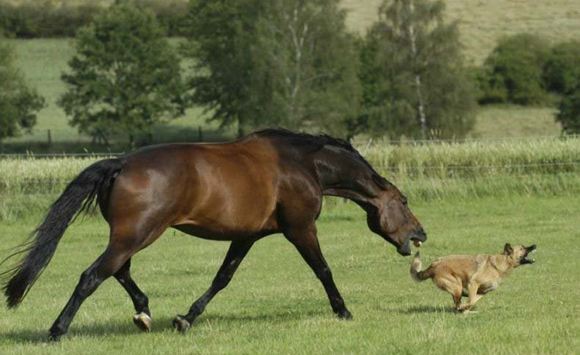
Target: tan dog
{"x":472,"y":275}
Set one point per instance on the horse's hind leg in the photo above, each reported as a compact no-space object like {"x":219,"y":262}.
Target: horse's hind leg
{"x":106,"y":265}
{"x":142,"y":318}
{"x":235,"y":255}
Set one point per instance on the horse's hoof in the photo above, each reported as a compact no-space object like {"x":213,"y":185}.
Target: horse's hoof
{"x":344,"y":314}
{"x":53,"y":338}
{"x":181,"y":324}
{"x":142,"y":321}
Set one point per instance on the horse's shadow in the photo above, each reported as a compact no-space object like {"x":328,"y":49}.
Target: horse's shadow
{"x":160,"y":324}
{"x":164,"y":323}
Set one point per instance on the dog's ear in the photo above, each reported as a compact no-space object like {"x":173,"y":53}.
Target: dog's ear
{"x":507,"y":249}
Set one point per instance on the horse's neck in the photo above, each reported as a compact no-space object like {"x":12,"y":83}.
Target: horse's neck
{"x":343,"y":180}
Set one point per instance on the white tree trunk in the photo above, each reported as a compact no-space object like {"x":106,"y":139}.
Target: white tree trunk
{"x":418,"y":84}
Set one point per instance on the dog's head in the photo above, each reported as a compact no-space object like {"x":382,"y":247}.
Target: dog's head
{"x":519,"y":253}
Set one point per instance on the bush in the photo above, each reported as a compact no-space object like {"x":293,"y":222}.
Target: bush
{"x":562,"y":68}
{"x":513,"y":72}
{"x":569,"y":111}
{"x":51,"y":19}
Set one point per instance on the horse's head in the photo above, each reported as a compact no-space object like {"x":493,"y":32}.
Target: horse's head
{"x":389,"y":216}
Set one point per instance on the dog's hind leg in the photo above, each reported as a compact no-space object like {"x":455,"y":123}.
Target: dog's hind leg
{"x":473,"y":297}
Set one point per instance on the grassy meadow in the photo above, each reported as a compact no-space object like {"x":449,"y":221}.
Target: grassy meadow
{"x":471,"y":198}
{"x":275,"y":304}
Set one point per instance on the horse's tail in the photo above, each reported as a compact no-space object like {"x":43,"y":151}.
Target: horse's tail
{"x":77,"y":197}
{"x":416,"y":272}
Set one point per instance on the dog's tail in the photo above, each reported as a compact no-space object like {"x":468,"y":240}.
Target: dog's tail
{"x":416,"y":272}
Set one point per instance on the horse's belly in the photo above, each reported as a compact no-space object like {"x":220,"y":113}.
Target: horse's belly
{"x":217,"y":230}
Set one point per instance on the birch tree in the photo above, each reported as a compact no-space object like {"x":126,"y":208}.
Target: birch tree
{"x":414,"y":79}
{"x":277,"y":63}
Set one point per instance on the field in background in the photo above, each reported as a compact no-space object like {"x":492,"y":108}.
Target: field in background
{"x":43,"y":60}
{"x":482,"y":23}
{"x":276,"y":305}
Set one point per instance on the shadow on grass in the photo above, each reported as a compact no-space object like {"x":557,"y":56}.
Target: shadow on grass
{"x":160,"y":324}
{"x":427,"y":309}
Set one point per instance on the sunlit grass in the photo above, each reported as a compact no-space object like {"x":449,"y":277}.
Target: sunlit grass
{"x":276,"y":305}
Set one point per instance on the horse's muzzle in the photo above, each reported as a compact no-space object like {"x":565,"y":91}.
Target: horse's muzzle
{"x":418,"y":236}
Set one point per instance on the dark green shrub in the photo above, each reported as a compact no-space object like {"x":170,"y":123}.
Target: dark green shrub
{"x":562,"y":68}
{"x":569,"y":111}
{"x":513,"y":71}
{"x":50,"y":19}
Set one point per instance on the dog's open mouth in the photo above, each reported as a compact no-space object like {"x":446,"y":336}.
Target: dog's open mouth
{"x":529,"y":258}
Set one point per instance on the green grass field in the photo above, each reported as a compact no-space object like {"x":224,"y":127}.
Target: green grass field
{"x":276,"y":305}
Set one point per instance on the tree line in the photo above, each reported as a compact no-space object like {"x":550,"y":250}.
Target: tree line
{"x":292,"y":63}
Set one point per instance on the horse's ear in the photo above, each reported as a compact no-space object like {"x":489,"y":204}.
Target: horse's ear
{"x":507,"y":249}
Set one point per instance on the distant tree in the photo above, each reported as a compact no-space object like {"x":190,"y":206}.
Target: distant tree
{"x":18,"y":103}
{"x":569,"y":111}
{"x":414,"y":79}
{"x":284,"y":63}
{"x":561,"y":71}
{"x":124,"y":77}
{"x":513,"y":71}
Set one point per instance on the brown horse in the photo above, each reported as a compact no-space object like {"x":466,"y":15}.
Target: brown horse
{"x":271,"y":181}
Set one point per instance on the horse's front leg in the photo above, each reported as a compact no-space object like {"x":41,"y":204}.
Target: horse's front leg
{"x":235,"y":255}
{"x":306,"y":241}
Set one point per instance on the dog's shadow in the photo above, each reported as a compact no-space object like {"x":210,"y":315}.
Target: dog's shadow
{"x":427,"y":309}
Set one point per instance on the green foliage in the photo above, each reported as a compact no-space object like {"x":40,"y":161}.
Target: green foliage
{"x":283,"y":63}
{"x":414,"y":81}
{"x":18,"y":103}
{"x":562,"y":68}
{"x":124,"y":77}
{"x":34,"y":19}
{"x":569,"y":111}
{"x":513,"y":71}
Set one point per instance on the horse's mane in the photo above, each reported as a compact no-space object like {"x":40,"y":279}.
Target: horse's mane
{"x":317,"y":142}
